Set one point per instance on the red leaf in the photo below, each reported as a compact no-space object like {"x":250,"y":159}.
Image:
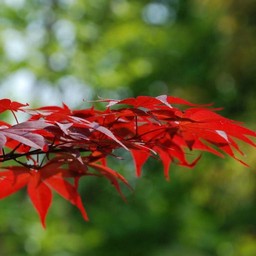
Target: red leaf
{"x":108,"y":133}
{"x":32,"y":140}
{"x":40,"y":195}
{"x":98,"y":127}
{"x":23,"y":133}
{"x":139,"y":158}
{"x":150,"y":102}
{"x":112,"y":175}
{"x":64,"y":127}
{"x":6,"y":104}
{"x":176,"y":100}
{"x":13,"y":180}
{"x":31,"y":125}
{"x":2,"y":140}
{"x":53,"y":113}
{"x":67,"y":191}
{"x":166,"y":160}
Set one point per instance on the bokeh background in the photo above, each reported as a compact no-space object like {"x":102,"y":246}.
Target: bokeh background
{"x":73,"y":51}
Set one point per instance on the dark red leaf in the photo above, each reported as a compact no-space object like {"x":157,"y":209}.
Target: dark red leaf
{"x":23,"y":133}
{"x":30,"y":139}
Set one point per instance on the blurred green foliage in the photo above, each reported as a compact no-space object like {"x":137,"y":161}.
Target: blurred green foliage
{"x":201,"y":50}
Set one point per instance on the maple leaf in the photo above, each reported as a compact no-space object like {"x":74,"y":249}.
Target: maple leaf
{"x":112,"y":175}
{"x":40,"y":184}
{"x":7,"y":104}
{"x":203,"y":124}
{"x":24,"y":134}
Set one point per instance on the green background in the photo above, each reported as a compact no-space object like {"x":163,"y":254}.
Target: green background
{"x":74,"y":50}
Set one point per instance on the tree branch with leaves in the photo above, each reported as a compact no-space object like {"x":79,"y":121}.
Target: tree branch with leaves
{"x":56,"y":146}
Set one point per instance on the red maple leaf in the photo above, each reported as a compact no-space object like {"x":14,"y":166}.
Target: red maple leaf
{"x":39,"y":186}
{"x":7,"y":104}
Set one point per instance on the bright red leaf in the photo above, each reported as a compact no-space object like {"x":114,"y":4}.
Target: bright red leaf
{"x":39,"y":184}
{"x":7,"y":104}
{"x":40,"y":195}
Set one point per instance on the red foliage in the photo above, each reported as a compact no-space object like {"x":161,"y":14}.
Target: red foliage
{"x":75,"y":144}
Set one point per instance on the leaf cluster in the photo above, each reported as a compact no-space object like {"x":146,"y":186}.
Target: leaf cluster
{"x":56,"y":146}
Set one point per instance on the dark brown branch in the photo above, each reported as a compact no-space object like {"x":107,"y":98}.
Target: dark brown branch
{"x":52,"y":150}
